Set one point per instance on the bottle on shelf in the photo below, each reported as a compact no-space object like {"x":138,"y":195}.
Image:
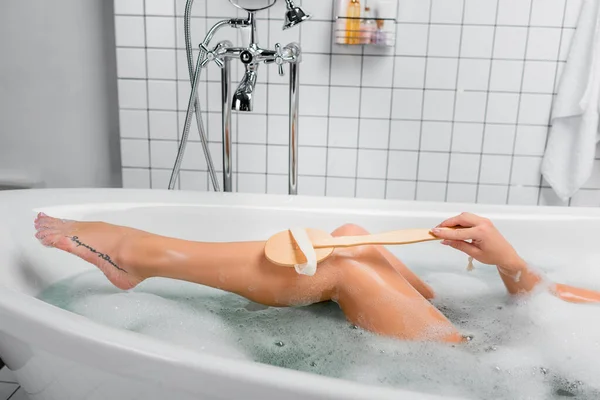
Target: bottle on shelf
{"x":340,"y":24}
{"x":368,"y":27}
{"x":353,"y":22}
{"x":379,"y":35}
{"x":384,"y":35}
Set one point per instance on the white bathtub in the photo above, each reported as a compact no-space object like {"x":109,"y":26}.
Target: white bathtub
{"x":56,"y":354}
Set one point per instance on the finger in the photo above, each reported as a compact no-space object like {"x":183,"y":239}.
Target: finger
{"x":467,"y":248}
{"x":466,"y":220}
{"x":456,"y":234}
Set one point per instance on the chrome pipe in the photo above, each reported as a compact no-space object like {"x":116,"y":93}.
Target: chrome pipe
{"x":209,"y":162}
{"x":253,"y":34}
{"x":294,"y":123}
{"x":226,"y":22}
{"x":226,"y":125}
{"x":188,"y":122}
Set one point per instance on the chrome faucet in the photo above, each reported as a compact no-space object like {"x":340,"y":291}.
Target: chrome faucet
{"x":242,"y":100}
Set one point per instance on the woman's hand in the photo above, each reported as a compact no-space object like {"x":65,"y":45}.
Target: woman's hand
{"x":487,"y":245}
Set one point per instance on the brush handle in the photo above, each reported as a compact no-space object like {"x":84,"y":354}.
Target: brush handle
{"x":405,"y":236}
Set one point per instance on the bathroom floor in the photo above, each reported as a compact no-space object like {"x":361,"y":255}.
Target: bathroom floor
{"x":9,"y":388}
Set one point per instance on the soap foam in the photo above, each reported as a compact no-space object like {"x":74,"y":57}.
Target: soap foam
{"x":535,"y":347}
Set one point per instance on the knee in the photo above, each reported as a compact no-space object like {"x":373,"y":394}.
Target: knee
{"x":358,"y":252}
{"x":350,"y":230}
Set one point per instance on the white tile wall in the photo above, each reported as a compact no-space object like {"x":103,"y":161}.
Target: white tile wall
{"x":457,"y":111}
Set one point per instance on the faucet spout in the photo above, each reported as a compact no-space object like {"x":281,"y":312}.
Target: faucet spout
{"x":242,"y":98}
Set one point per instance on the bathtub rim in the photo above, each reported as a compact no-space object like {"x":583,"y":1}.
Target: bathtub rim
{"x":84,"y":198}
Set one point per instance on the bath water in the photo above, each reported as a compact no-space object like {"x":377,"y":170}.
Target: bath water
{"x":534,"y":348}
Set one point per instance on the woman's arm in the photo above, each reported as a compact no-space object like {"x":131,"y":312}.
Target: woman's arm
{"x":481,"y":240}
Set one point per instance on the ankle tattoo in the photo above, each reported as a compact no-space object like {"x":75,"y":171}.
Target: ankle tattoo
{"x":103,"y":256}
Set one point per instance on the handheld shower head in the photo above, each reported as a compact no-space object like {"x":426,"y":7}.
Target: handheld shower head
{"x":294,"y":15}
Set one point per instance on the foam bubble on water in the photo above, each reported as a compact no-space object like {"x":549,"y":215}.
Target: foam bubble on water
{"x":149,"y":309}
{"x":460,"y":285}
{"x":569,"y":335}
{"x":533,"y":347}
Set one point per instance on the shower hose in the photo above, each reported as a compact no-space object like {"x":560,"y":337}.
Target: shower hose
{"x":202,"y":132}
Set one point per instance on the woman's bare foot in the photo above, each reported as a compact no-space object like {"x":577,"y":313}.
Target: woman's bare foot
{"x":111,"y":248}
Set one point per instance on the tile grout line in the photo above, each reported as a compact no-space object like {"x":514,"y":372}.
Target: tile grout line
{"x":398,"y":55}
{"x":176,"y":89}
{"x":369,"y":179}
{"x":330,"y":56}
{"x":367,"y":118}
{"x":423,"y":100}
{"x":147,"y":92}
{"x":456,"y":88}
{"x":487,"y":102}
{"x":222,"y":16}
{"x":554,"y":89}
{"x":15,"y":392}
{"x":266,"y":191}
{"x":327,"y":147}
{"x":360,"y":91}
{"x":407,"y":150}
{"x":389,"y":141}
{"x":512,"y":159}
{"x":441,"y":89}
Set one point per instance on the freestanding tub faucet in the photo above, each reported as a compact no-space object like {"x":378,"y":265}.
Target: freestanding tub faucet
{"x":242,"y":100}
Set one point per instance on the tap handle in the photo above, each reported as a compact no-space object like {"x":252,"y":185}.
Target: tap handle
{"x":279,"y":59}
{"x":211,"y":55}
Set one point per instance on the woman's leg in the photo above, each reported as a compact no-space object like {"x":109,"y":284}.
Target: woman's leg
{"x":375,"y":295}
{"x":368,"y":288}
{"x":128,"y":256}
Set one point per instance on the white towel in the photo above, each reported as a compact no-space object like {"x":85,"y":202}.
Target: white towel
{"x":569,"y":158}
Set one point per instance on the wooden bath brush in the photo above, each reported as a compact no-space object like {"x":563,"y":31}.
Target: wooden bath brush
{"x":282,"y":249}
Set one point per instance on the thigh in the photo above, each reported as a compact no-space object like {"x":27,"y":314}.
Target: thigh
{"x":374,"y":296}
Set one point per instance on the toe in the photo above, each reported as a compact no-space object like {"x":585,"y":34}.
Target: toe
{"x":48,"y":237}
{"x":40,"y":224}
{"x":43,"y":237}
{"x":40,"y":217}
{"x":39,"y":229}
{"x":45,"y":220}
